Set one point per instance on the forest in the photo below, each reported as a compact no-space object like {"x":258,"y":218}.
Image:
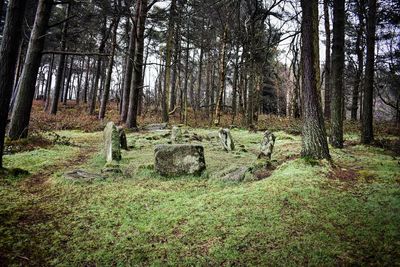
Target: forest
{"x":199,"y":132}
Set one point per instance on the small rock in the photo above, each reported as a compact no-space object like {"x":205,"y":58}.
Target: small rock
{"x":196,"y":137}
{"x":237,"y":175}
{"x":155,"y":127}
{"x":81,"y":175}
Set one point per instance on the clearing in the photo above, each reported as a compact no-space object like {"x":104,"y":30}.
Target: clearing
{"x":303,"y":213}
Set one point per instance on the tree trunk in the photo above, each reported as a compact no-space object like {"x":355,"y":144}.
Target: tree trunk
{"x":137,"y":81}
{"x":360,"y":60}
{"x":199,"y":81}
{"x":79,"y":85}
{"x":367,"y":132}
{"x":22,"y":108}
{"x":106,"y":92}
{"x":61,"y":63}
{"x":185,"y":85}
{"x":128,"y":71}
{"x":235,"y":82}
{"x":218,"y":112}
{"x":68,"y":81}
{"x":8,"y":61}
{"x":93,"y":95}
{"x":208,"y":84}
{"x":86,"y":86}
{"x":168,"y":56}
{"x":328,"y":80}
{"x":314,"y":143}
{"x":337,"y":97}
{"x":48,"y":84}
{"x":176,"y":60}
{"x":141,"y":91}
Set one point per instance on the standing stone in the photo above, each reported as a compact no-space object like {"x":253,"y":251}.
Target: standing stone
{"x":267,"y":145}
{"x":174,"y":160}
{"x":112,"y":146}
{"x":226,"y":139}
{"x":176,"y":134}
{"x":122,"y":138}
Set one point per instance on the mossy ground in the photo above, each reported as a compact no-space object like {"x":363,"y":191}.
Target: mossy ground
{"x":305,"y":213}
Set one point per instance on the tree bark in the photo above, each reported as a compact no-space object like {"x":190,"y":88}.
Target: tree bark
{"x":218,"y":112}
{"x":360,"y":60}
{"x":337,"y":97}
{"x":106,"y":92}
{"x":86,"y":86}
{"x":176,"y":59}
{"x":327,"y":111}
{"x":168,"y":56}
{"x":79,"y":85}
{"x":60,"y":69}
{"x":235,"y":82}
{"x":22,"y":108}
{"x":199,"y":81}
{"x":68,"y":81}
{"x":93,"y":95}
{"x":314,"y":143}
{"x":185,"y":83}
{"x":367,"y":131}
{"x":129,"y":70}
{"x":8,"y":61}
{"x":137,"y":81}
{"x":48,"y":84}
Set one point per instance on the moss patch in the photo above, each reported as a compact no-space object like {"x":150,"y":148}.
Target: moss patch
{"x":298,"y":216}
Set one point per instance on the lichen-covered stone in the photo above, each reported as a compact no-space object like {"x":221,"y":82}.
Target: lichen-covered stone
{"x":174,"y":160}
{"x":236,"y":175}
{"x":226,"y":139}
{"x":267,"y":145}
{"x":112,"y":146}
{"x":176,"y":134}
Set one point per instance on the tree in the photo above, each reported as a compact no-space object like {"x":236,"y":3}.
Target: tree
{"x":168,"y":60}
{"x":137,"y":79}
{"x":126,"y":89}
{"x":327,"y":111}
{"x":359,"y":50}
{"x":106,"y":92}
{"x":93,"y":94}
{"x":367,"y":132}
{"x":314,"y":143}
{"x":337,"y":100}
{"x":61,"y":63}
{"x":22,"y":109}
{"x":8,"y":61}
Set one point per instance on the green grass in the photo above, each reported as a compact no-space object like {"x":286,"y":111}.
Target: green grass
{"x":300,"y":215}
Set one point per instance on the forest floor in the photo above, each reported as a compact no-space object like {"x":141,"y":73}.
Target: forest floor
{"x":303,"y":212}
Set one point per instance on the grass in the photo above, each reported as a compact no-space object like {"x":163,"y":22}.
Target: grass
{"x":303,"y":214}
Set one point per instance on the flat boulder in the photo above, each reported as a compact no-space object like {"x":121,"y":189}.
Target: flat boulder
{"x":179,"y":159}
